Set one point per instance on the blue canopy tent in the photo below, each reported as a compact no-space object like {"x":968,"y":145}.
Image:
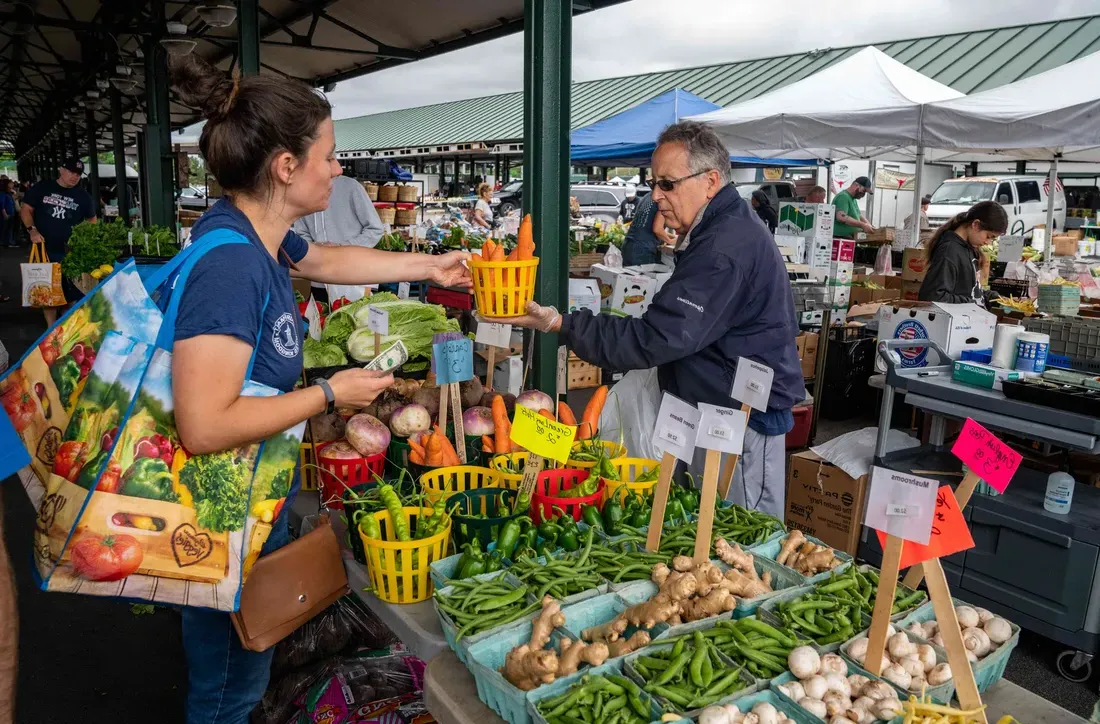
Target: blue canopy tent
{"x":629,"y":138}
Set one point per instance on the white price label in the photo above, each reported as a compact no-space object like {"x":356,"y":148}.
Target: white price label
{"x":671,"y":436}
{"x":378,"y":320}
{"x":724,"y":429}
{"x":901,"y":504}
{"x":752,"y":385}
{"x":493,"y":334}
{"x":402,"y":290}
{"x":901,"y":510}
{"x":721,"y":431}
{"x":676,"y":429}
{"x":756,"y":387}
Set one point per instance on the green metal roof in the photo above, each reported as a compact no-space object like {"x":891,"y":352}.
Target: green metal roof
{"x":968,"y":62}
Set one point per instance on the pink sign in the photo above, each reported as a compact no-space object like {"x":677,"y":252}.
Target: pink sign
{"x":980,"y":450}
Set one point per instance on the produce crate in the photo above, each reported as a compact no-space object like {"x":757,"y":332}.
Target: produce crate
{"x":307,"y":462}
{"x":561,"y":685}
{"x":989,"y":670}
{"x":450,"y":298}
{"x":582,"y":263}
{"x":599,"y":610}
{"x":766,"y":612}
{"x":783,"y":578}
{"x":582,"y":375}
{"x":443,"y":570}
{"x":486,"y":657}
{"x":1010,"y":287}
{"x":399,"y":570}
{"x":450,"y":630}
{"x":668,"y":706}
{"x":475,"y":514}
{"x":941,"y":694}
{"x":770,"y":549}
{"x":780,"y":702}
{"x":1075,"y":338}
{"x":881,"y":235}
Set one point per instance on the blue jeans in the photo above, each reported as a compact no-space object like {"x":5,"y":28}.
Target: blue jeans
{"x":225,"y":682}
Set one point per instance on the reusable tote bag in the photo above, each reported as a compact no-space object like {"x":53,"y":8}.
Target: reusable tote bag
{"x":41,"y":280}
{"x":123,"y":509}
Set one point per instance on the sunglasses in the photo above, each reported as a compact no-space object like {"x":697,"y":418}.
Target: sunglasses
{"x":667,"y":185}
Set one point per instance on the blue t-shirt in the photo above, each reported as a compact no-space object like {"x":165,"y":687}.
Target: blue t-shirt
{"x":641,"y":244}
{"x":226,"y":291}
{"x":56,"y":211}
{"x":7,"y":203}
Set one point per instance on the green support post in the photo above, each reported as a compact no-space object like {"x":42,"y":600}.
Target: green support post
{"x":158,"y":136}
{"x":248,"y":36}
{"x":119,"y":144}
{"x":93,"y":156}
{"x":547,"y":42}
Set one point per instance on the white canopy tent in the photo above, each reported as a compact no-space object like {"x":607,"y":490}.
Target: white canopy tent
{"x":865,"y":106}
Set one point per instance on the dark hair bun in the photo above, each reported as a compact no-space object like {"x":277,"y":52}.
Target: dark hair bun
{"x":202,"y":86}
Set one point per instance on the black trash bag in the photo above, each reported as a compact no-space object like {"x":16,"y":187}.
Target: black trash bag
{"x":343,"y":627}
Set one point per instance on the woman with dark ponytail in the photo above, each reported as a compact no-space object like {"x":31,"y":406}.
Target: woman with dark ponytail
{"x":269,"y":142}
{"x":954,"y":254}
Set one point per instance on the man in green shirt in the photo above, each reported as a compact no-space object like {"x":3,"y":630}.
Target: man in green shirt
{"x":848,"y":220}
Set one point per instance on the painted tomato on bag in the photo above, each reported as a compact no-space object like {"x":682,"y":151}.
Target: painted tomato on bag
{"x":106,"y":558}
{"x":69,"y":459}
{"x":19,"y":406}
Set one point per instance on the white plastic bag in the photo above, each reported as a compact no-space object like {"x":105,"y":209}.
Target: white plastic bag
{"x":883,"y":262}
{"x":613,"y":258}
{"x":631,"y":410}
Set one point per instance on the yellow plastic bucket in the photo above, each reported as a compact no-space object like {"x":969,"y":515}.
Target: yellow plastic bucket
{"x":611,"y":450}
{"x":517,"y":460}
{"x":503,"y":288}
{"x":400,"y":570}
{"x":441,"y":483}
{"x":629,"y":469}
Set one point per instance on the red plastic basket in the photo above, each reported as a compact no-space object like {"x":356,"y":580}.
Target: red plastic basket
{"x":351,"y":473}
{"x":552,"y":482}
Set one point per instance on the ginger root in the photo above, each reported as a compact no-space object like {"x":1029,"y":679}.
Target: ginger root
{"x":574,"y":652}
{"x":745,"y":585}
{"x":717,"y":601}
{"x":792,"y":542}
{"x":625,"y":646}
{"x":607,"y":632}
{"x":806,"y":557}
{"x":732,"y":555}
{"x":679,"y":586}
{"x":648,"y":614}
{"x":549,"y":617}
{"x":531,"y":665}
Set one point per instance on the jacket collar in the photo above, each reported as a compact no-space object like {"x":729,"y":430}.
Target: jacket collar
{"x":720,"y":203}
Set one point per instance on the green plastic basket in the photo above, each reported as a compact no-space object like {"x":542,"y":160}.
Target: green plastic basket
{"x":465,"y":527}
{"x":770,"y":550}
{"x":666,"y":705}
{"x":600,"y":610}
{"x":780,"y":702}
{"x":563,"y":684}
{"x":941,"y":694}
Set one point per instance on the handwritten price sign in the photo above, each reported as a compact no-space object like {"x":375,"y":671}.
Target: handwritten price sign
{"x":440,"y":338}
{"x":981,"y":451}
{"x":454,"y":361}
{"x":950,"y":534}
{"x":542,"y":436}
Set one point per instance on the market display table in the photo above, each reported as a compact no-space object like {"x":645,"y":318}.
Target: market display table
{"x":414,"y":623}
{"x":451,"y":697}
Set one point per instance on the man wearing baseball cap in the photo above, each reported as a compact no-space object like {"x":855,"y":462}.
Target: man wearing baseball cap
{"x":848,"y":220}
{"x":51,"y":208}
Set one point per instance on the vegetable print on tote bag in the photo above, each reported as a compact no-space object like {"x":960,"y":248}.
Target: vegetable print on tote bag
{"x":123,"y":509}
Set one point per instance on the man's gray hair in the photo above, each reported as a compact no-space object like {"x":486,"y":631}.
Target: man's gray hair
{"x":705,"y":150}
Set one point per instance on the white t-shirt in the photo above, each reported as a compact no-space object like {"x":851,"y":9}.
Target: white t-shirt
{"x":486,"y":211}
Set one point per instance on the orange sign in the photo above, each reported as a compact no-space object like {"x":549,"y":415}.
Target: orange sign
{"x":950,"y":533}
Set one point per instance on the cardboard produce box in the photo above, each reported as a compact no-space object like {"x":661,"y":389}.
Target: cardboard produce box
{"x":910,"y":291}
{"x":807,"y":352}
{"x":825,"y":502}
{"x":792,"y":247}
{"x":623,"y":292}
{"x":955,"y":327}
{"x":1064,"y":245}
{"x":660,"y":272}
{"x":843,"y":251}
{"x":584,"y":294}
{"x":863,"y":295}
{"x":913,"y":265}
{"x":814,"y":223}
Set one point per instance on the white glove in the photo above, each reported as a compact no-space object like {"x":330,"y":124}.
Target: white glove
{"x":542,"y":318}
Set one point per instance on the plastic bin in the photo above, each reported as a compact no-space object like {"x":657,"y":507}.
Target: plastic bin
{"x":629,"y":469}
{"x":503,"y":288}
{"x":770,"y":550}
{"x":563,"y":684}
{"x":450,"y":629}
{"x":666,"y":705}
{"x":799,"y":436}
{"x":941,"y":694}
{"x":400,"y":570}
{"x":337,"y":474}
{"x":484,"y":503}
{"x":783,"y":578}
{"x":441,"y":483}
{"x":306,"y":462}
{"x":500,"y":464}
{"x":600,"y":610}
{"x":552,"y":482}
{"x":443,"y":570}
{"x":611,"y":450}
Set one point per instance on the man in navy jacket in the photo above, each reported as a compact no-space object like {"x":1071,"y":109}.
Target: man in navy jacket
{"x":728,"y":297}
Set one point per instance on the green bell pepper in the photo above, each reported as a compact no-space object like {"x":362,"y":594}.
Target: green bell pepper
{"x":149,"y":478}
{"x":689,"y":499}
{"x":613,"y":517}
{"x":544,"y":548}
{"x":674,"y":510}
{"x":590,"y":514}
{"x":549,"y":530}
{"x":493,"y":562}
{"x":508,"y":537}
{"x":88,"y":473}
{"x":568,"y":539}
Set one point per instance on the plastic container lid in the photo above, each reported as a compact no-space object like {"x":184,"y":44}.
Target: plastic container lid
{"x":1036,"y":337}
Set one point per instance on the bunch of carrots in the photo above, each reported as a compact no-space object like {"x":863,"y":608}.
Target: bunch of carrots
{"x":590,"y":421}
{"x":433,"y":449}
{"x":525,"y":245}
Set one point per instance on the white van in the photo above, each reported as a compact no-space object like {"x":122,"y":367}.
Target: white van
{"x":1024,"y":198}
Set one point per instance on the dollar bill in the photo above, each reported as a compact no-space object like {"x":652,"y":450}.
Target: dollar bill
{"x":390,"y":359}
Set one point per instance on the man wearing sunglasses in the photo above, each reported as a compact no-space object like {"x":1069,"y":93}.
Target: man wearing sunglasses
{"x":728,"y":297}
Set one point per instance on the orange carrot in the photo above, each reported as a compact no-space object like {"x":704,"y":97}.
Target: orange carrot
{"x":416,"y":446}
{"x":502,"y":426}
{"x":487,"y":250}
{"x":590,"y":420}
{"x":434,"y":448}
{"x":565,"y":414}
{"x":548,"y":414}
{"x":498,"y":253}
{"x":450,"y":455}
{"x":525,"y":243}
{"x":487,"y":444}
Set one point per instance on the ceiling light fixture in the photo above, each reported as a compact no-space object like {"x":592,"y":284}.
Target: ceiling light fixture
{"x":177,"y":42}
{"x":217,"y":14}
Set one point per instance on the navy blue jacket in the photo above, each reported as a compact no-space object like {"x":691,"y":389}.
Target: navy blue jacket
{"x":728,"y":297}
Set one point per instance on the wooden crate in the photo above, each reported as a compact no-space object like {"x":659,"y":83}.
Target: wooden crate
{"x":883,"y":235}
{"x":582,"y":375}
{"x":583,"y":262}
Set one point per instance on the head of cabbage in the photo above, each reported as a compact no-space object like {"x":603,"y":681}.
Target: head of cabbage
{"x":322,"y":354}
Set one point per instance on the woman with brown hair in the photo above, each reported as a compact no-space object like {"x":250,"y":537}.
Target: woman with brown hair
{"x":483,"y":212}
{"x":954,"y":254}
{"x":269,"y":142}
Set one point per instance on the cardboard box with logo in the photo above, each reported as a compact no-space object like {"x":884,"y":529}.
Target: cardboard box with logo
{"x":955,"y":327}
{"x":913,"y":265}
{"x":843,"y":251}
{"x":584,"y":294}
{"x":910,"y":291}
{"x":660,"y":272}
{"x":806,"y":342}
{"x":623,"y":292}
{"x":814,"y":223}
{"x":792,"y":247}
{"x":825,"y":502}
{"x":865,"y":295}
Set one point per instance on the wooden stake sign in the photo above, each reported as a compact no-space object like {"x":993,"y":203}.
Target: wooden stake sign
{"x":492,"y":335}
{"x":542,"y":438}
{"x":454,"y":363}
{"x":721,"y":430}
{"x":378,"y":321}
{"x":966,"y":688}
{"x":752,"y":385}
{"x":460,"y":432}
{"x":674,"y":435}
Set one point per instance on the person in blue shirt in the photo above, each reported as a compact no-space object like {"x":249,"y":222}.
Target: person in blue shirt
{"x":269,"y":142}
{"x":729,"y":297}
{"x":7,"y":213}
{"x":646,"y":235}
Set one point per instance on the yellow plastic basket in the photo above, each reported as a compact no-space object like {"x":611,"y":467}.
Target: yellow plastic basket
{"x":503,"y":288}
{"x":308,"y":466}
{"x":399,"y":570}
{"x":629,"y":469}
{"x":441,"y":483}
{"x":517,"y":460}
{"x":611,"y":449}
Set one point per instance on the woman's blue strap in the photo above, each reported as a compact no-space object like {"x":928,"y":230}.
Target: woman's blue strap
{"x":163,"y":272}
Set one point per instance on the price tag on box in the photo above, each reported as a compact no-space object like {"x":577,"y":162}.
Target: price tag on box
{"x":752,"y":384}
{"x":721,"y":429}
{"x":378,"y":320}
{"x":676,"y":428}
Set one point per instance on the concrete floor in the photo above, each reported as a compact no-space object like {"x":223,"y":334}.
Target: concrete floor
{"x":92,"y":660}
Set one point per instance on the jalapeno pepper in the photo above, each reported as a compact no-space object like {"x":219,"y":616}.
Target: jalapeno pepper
{"x":549,"y":530}
{"x":590,"y":514}
{"x":613,"y":517}
{"x":508,"y":538}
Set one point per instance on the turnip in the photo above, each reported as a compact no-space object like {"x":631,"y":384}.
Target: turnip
{"x":804,"y":662}
{"x":367,"y":435}
{"x":536,"y":400}
{"x":341,"y":450}
{"x":478,"y":421}
{"x":409,"y":420}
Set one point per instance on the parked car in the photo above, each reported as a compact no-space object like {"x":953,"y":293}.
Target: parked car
{"x":599,"y":200}
{"x":193,"y":198}
{"x":1024,"y":198}
{"x":508,"y":199}
{"x":776,"y":190}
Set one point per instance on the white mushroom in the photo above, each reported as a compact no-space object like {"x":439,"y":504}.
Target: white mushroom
{"x":714,"y":715}
{"x":815,"y":687}
{"x":736,"y":715}
{"x":968,"y":617}
{"x":838,"y":683}
{"x":879,"y":690}
{"x":984,"y":614}
{"x":937,"y":640}
{"x":976,"y":640}
{"x":814,"y":706}
{"x":751,"y":718}
{"x":831,"y":663}
{"x":971,"y":657}
{"x":793,"y":690}
{"x":804,"y":662}
{"x":887,"y":709}
{"x":897,"y":675}
{"x":900,"y":646}
{"x":860,"y":716}
{"x":997,"y":629}
{"x":912,"y":665}
{"x":767,"y":713}
{"x":863,"y":702}
{"x":836,"y":703}
{"x":939,"y":675}
{"x":917,"y":684}
{"x":916,"y":629}
{"x":927,"y":656}
{"x":857,"y":682}
{"x":931,"y":628}
{"x":858,"y":649}
{"x":839,"y":719}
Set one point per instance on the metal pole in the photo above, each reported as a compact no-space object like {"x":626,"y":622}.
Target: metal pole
{"x":871,"y":198}
{"x":74,"y":142}
{"x":547,"y":41}
{"x":1053,"y":185}
{"x":158,"y":136}
{"x":143,"y":177}
{"x":248,"y":36}
{"x":918,"y":173}
{"x":122,"y":190}
{"x":829,"y":183}
{"x":93,"y":157}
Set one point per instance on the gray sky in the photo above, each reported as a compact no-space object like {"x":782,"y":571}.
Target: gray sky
{"x":649,"y":35}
